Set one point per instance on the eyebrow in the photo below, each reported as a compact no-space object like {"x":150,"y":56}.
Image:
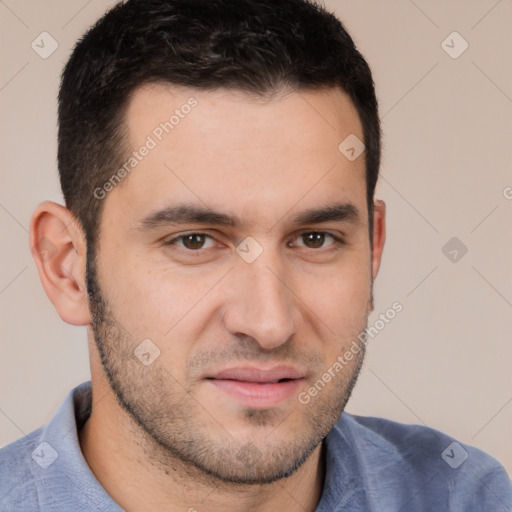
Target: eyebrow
{"x":194,"y":214}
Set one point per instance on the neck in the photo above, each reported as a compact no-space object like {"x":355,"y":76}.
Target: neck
{"x":141,"y":475}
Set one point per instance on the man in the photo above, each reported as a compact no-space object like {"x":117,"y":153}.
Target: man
{"x":220,"y":239}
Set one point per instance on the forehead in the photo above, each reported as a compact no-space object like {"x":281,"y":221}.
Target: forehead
{"x":237,"y":115}
{"x":235,"y":152}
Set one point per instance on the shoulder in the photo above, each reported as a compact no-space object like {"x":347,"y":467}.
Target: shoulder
{"x":44,"y":469}
{"x":421,"y":465}
{"x":18,"y":482}
{"x":421,"y":445}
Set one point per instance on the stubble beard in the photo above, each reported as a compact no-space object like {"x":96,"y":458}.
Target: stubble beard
{"x":169,"y":427}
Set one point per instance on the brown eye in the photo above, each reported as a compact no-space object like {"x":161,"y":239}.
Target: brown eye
{"x":192,"y":241}
{"x":316,"y":239}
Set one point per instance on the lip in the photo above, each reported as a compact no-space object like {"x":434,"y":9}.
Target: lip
{"x":257,"y":387}
{"x":262,"y":375}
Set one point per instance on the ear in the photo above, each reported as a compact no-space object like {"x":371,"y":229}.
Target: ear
{"x":58,"y":246}
{"x":379,"y":234}
{"x":379,"y":237}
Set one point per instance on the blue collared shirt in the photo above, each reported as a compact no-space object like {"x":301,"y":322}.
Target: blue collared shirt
{"x":372,"y":464}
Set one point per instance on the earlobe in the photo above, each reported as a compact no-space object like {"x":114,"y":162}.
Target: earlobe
{"x":58,"y":246}
{"x":379,"y":234}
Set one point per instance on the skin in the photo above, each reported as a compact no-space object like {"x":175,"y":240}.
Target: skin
{"x":162,"y":437}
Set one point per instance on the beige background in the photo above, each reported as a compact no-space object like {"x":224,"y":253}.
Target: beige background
{"x":445,"y":360}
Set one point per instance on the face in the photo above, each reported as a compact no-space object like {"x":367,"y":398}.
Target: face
{"x":233,"y":269}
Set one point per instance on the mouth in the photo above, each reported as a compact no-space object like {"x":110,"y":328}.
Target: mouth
{"x":256,"y":387}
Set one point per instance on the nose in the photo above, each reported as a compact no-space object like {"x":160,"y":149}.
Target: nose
{"x":261,"y":304}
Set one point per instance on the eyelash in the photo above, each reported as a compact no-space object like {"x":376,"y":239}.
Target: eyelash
{"x":337,"y":240}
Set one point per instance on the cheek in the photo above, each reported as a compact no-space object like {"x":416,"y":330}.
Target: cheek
{"x":340,"y":297}
{"x":170,"y":309}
